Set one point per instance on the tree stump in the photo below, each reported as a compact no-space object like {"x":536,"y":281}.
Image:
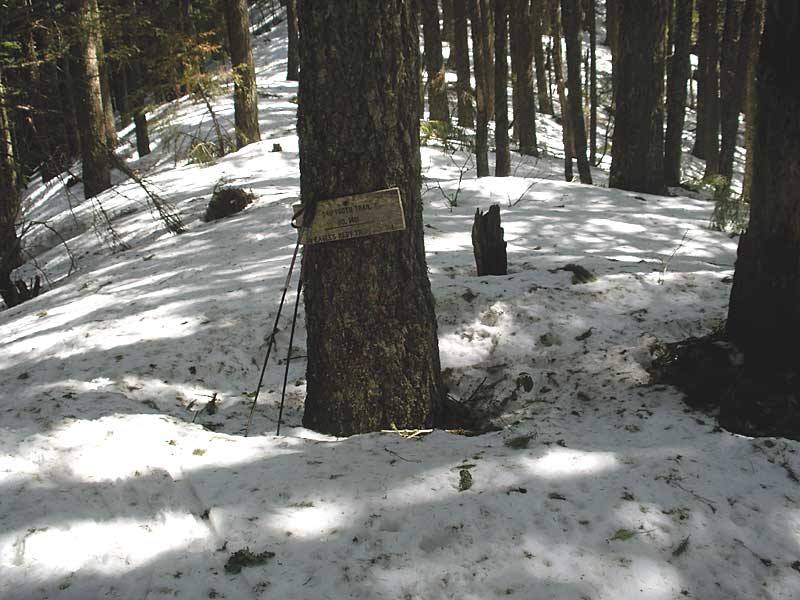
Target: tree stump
{"x":488,"y":243}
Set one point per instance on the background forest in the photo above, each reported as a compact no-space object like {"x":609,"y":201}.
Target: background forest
{"x":612,"y":414}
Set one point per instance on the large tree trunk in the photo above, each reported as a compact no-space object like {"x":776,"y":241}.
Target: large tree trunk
{"x":540,"y":62}
{"x":677,"y":76}
{"x":706,"y":144}
{"x":373,"y":359}
{"x":94,"y":152}
{"x":293,"y":65}
{"x":245,"y":98}
{"x":502,"y":165}
{"x":483,"y":91}
{"x":572,"y":27}
{"x":460,"y":48}
{"x":764,"y":313}
{"x":638,"y":146}
{"x":522,"y":67}
{"x":438,"y":109}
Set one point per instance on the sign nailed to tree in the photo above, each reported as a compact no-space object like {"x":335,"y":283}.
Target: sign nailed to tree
{"x":355,"y":216}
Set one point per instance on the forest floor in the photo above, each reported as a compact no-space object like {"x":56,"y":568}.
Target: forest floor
{"x":120,"y":478}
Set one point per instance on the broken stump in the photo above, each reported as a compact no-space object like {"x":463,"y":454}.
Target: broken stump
{"x":488,"y":243}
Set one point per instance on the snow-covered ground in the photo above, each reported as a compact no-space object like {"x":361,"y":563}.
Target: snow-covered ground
{"x":117,"y":481}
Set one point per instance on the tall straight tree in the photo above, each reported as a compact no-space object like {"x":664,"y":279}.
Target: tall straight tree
{"x":755,"y":26}
{"x":637,"y":161}
{"x":735,"y":85}
{"x":677,"y":77}
{"x":9,"y":206}
{"x":522,"y":68}
{"x":591,"y":23}
{"x":89,"y":109}
{"x":245,"y":98}
{"x":293,"y":64}
{"x":438,"y":109}
{"x":558,"y":66}
{"x":540,"y":62}
{"x":764,"y":313}
{"x":373,"y":358}
{"x":483,"y":91}
{"x":706,"y":145}
{"x":571,"y":20}
{"x":502,"y":165}
{"x":460,"y":48}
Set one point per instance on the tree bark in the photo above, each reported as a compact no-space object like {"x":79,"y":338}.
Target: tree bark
{"x":706,"y":144}
{"x":638,"y":146}
{"x":460,"y":47}
{"x":592,"y":25}
{"x":109,"y":122}
{"x":522,"y":68}
{"x":293,"y":65}
{"x":558,"y":67}
{"x":756,"y":26}
{"x":571,"y":20}
{"x":245,"y":97}
{"x":89,"y":110}
{"x":502,"y":164}
{"x":478,"y":11}
{"x":448,"y":32}
{"x":438,"y":109}
{"x":539,"y":59}
{"x":373,"y":359}
{"x":677,"y":75}
{"x":733,"y":80}
{"x":9,"y":206}
{"x":764,"y":313}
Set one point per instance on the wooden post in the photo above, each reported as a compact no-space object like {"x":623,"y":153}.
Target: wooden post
{"x":488,"y":243}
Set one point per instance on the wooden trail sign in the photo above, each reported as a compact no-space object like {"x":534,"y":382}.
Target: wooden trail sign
{"x":355,"y":216}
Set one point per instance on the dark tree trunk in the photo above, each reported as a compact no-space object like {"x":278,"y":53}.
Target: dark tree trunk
{"x":460,"y":47}
{"x":572,"y":28}
{"x":94,"y":152}
{"x":592,"y":24}
{"x":109,"y":123}
{"x":373,"y":359}
{"x":142,"y":135}
{"x":755,"y":27}
{"x":438,"y":109}
{"x":733,"y":79}
{"x":39,"y":84}
{"x":522,"y":67}
{"x":9,"y":206}
{"x":558,"y":67}
{"x":706,"y":144}
{"x":122,"y":94}
{"x":293,"y":66}
{"x":487,"y":31}
{"x":677,"y":75}
{"x":638,"y":147}
{"x":502,"y":165}
{"x":478,"y":10}
{"x":488,"y":244}
{"x":448,"y":32}
{"x":68,"y":90}
{"x":539,"y":59}
{"x":612,"y":40}
{"x":245,"y":98}
{"x":764,"y":313}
